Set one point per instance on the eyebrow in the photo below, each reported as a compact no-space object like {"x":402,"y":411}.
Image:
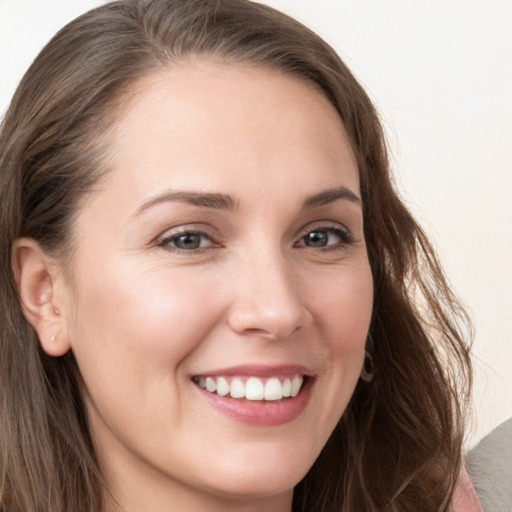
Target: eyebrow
{"x":329,"y":196}
{"x":221,"y":201}
{"x":203,"y":199}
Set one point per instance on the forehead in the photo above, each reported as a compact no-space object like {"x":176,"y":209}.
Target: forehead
{"x":203,"y":124}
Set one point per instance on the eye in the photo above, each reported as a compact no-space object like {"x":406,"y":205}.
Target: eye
{"x":186,"y":241}
{"x":328,"y":238}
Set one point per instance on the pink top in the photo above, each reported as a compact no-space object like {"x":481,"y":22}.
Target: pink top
{"x":465,"y":498}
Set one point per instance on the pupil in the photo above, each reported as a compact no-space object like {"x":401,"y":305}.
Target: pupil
{"x":189,"y":241}
{"x":316,"y":239}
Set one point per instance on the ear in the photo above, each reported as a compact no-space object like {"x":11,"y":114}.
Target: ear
{"x":40,"y":286}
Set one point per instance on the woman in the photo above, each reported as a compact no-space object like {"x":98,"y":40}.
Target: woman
{"x":213,"y":298}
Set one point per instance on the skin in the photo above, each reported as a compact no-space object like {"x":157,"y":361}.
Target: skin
{"x":143,"y":317}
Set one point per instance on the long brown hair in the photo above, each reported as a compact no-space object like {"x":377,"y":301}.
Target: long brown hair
{"x":397,"y":447}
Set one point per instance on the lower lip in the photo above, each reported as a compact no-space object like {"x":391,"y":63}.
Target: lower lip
{"x":260,"y":412}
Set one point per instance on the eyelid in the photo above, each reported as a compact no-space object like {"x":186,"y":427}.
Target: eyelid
{"x":338,"y":228}
{"x":173,"y":233}
{"x":164,"y":239}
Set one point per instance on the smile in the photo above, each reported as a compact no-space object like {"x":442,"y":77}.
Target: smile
{"x":251,"y":387}
{"x":257,"y":395}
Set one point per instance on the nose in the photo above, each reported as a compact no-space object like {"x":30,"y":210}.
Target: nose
{"x":267,"y":299}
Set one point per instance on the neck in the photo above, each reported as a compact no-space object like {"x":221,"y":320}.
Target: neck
{"x":147,"y":490}
{"x":152,"y":499}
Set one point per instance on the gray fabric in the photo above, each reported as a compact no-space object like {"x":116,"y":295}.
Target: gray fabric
{"x":489,"y":465}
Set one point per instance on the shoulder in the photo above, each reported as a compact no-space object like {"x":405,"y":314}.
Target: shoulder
{"x":465,"y":498}
{"x":489,"y":465}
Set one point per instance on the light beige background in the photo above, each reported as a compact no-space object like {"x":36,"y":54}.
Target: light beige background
{"x":440,"y":72}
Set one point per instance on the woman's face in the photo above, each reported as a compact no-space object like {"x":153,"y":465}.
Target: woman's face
{"x":225,"y":248}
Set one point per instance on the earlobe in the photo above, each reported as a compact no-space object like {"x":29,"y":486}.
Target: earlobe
{"x":38,"y":278}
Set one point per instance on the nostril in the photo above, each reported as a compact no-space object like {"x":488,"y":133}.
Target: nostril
{"x":269,"y":321}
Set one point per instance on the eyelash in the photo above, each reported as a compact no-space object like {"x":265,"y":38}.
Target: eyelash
{"x":166,"y":240}
{"x":344,"y":235}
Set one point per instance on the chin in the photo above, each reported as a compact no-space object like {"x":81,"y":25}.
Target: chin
{"x":261,"y":475}
{"x":257,"y":487}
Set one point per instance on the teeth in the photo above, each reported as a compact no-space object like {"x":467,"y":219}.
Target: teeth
{"x":273,"y":389}
{"x":287,"y":387}
{"x":211,"y":385}
{"x":237,"y":389}
{"x":296,"y":385}
{"x":222,"y":386}
{"x":254,"y":388}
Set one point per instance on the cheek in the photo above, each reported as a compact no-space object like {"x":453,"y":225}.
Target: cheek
{"x":141,"y":324}
{"x":132,"y":340}
{"x":344,"y":312}
{"x":346,"y":308}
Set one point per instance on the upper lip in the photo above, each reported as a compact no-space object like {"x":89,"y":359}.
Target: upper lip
{"x":260,"y":371}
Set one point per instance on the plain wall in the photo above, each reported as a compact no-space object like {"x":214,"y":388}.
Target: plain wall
{"x":440,"y":72}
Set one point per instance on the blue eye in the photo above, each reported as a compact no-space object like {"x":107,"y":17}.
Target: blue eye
{"x":326,"y":238}
{"x":187,"y":241}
